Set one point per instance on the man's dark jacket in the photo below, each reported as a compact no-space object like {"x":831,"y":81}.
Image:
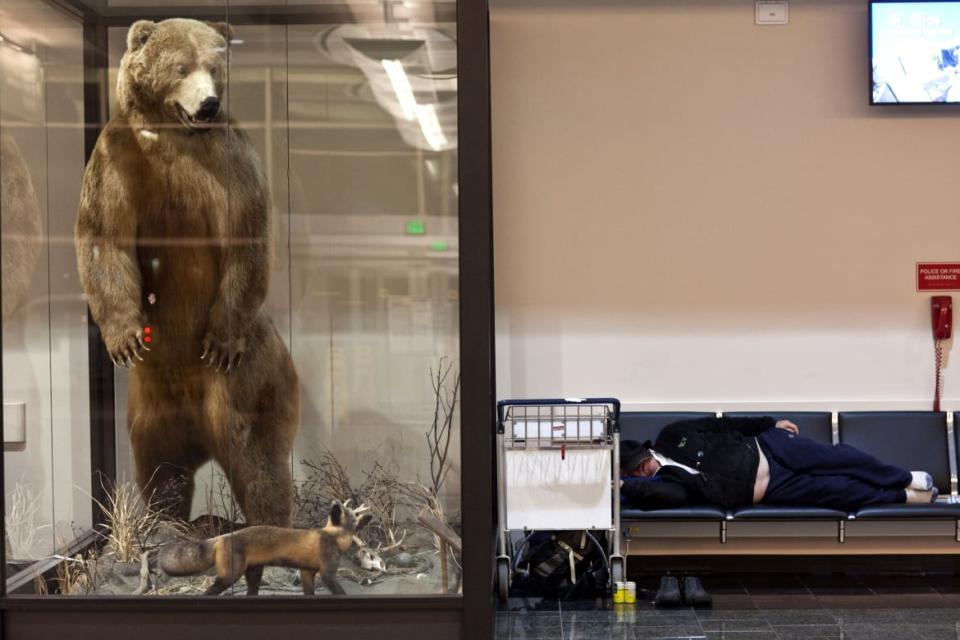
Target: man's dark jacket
{"x":723,"y":450}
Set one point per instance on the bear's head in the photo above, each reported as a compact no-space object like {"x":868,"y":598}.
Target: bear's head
{"x":173,"y":72}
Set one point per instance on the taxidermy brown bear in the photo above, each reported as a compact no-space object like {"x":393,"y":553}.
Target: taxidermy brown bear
{"x":174,"y":248}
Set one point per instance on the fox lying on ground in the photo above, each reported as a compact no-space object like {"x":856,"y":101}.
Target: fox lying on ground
{"x":313,"y":551}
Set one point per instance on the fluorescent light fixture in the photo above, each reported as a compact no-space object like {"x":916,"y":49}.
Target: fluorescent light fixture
{"x":430,"y":126}
{"x":401,"y":87}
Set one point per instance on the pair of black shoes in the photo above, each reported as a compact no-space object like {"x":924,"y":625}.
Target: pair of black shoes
{"x":694,"y":595}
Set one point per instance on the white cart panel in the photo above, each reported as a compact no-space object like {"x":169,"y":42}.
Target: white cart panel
{"x":547,"y":490}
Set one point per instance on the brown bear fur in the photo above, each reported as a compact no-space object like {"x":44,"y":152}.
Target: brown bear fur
{"x":173,"y":233}
{"x":22,"y":237}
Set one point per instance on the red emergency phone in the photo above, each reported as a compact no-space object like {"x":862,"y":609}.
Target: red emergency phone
{"x":941,"y":316}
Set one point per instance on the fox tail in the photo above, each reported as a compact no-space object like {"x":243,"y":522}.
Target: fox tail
{"x":186,"y":558}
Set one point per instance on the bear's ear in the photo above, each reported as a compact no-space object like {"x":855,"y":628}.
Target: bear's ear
{"x":139,"y":33}
{"x":224,"y":29}
{"x":336,"y":513}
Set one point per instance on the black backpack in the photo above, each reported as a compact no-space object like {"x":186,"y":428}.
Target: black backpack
{"x":562,"y":564}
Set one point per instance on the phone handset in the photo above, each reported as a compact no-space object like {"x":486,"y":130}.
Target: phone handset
{"x":941,"y":315}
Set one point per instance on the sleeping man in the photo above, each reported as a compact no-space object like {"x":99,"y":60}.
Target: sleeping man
{"x":735,"y":462}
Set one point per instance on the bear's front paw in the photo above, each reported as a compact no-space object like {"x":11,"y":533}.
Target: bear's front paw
{"x":125,"y":345}
{"x":223,"y":353}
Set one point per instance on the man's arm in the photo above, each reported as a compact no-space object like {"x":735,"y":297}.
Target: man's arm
{"x":653,"y":493}
{"x":747,"y":426}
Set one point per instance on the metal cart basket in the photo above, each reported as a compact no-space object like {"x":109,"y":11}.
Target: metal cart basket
{"x":557,"y":469}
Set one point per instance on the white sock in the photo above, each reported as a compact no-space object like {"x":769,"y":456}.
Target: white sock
{"x":915,"y":496}
{"x":922,"y":481}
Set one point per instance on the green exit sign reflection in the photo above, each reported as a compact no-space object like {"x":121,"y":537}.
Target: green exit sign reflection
{"x":415,"y":228}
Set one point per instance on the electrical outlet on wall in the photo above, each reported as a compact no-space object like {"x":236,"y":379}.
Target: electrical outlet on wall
{"x":15,"y":423}
{"x":772,"y":13}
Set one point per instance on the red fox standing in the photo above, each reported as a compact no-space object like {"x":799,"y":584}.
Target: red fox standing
{"x":313,"y":551}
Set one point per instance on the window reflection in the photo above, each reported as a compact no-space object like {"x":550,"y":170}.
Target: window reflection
{"x":355,"y":128}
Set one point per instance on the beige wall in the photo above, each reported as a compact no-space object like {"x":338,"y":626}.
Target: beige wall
{"x":691,"y":208}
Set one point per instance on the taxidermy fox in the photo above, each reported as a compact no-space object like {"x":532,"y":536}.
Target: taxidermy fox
{"x":313,"y":551}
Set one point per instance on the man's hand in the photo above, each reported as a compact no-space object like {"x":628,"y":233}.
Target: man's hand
{"x":786,"y":425}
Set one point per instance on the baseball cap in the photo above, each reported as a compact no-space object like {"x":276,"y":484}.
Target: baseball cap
{"x":633,"y":453}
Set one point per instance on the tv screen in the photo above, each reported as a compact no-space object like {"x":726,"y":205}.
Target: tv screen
{"x":915,"y":52}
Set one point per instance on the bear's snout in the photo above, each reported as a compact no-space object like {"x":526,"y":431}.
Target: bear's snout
{"x":209,"y":109}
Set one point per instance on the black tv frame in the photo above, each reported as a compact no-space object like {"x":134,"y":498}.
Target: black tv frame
{"x":870,"y":3}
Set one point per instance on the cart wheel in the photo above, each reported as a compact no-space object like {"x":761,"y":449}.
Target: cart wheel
{"x":617,"y":570}
{"x":503,"y":578}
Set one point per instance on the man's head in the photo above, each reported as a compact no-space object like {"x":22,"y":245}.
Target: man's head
{"x":636,"y":459}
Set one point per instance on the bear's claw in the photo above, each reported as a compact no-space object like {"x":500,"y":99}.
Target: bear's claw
{"x":221,"y":354}
{"x":123,"y":354}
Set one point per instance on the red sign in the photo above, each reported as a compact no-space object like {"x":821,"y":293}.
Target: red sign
{"x":938,"y":276}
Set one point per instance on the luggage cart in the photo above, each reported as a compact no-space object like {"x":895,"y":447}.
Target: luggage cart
{"x":557,"y":469}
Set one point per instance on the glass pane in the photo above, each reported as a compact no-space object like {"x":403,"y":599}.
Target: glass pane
{"x":270,"y":222}
{"x":47,"y":474}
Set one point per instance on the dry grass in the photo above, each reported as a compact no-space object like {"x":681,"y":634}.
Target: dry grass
{"x":130,"y":521}
{"x":22,"y":523}
{"x":39,"y":585}
{"x":189,"y":586}
{"x":75,"y":576}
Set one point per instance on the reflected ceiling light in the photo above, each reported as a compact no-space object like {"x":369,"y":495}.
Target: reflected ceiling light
{"x":407,"y":68}
{"x":430,"y":125}
{"x":401,"y":87}
{"x":395,"y":48}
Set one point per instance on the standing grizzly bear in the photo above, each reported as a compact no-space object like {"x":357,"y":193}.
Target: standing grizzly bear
{"x":173,"y":242}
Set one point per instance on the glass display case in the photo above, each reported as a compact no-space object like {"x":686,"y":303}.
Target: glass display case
{"x":237,"y":263}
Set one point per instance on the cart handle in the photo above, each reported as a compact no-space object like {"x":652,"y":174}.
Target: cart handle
{"x":503,"y":404}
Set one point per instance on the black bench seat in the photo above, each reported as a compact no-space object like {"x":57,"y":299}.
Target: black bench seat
{"x":909,"y":439}
{"x":776,"y":512}
{"x":943,"y":510}
{"x":681,"y":513}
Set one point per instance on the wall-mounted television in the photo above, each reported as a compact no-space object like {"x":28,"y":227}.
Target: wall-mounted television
{"x":915,"y":52}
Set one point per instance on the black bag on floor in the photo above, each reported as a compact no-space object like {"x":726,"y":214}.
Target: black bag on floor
{"x":562,"y":564}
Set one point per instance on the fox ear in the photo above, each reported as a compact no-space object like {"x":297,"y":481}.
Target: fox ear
{"x":336,"y":513}
{"x":364,"y":521}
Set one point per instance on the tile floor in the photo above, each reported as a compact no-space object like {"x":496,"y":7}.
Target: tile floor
{"x":756,"y":607}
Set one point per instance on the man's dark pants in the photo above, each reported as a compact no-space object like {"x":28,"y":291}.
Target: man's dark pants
{"x":805,"y":473}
